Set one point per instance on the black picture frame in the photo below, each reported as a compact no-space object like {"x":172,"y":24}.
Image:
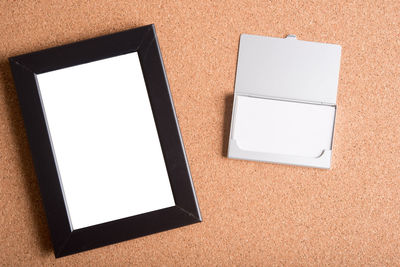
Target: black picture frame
{"x":144,"y":41}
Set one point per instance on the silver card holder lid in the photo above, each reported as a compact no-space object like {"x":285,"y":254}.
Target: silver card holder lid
{"x":288,"y":69}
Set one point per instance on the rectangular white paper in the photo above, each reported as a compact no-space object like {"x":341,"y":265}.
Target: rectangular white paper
{"x":282,"y":127}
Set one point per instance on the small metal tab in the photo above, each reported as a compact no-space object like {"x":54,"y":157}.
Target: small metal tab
{"x":291,"y":36}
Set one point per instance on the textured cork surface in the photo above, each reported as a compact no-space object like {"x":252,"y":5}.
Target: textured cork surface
{"x":254,"y":213}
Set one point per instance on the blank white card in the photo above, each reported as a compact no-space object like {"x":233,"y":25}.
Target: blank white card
{"x":105,"y":140}
{"x":282,"y":127}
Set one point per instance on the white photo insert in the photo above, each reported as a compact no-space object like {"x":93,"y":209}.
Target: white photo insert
{"x":105,"y":140}
{"x":282,"y":127}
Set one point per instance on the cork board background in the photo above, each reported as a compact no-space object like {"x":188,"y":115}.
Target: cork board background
{"x":254,"y":213}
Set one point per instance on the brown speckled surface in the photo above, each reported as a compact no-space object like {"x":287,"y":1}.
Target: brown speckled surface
{"x":254,"y":213}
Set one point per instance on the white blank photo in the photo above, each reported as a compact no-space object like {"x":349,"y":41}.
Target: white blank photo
{"x":105,"y":141}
